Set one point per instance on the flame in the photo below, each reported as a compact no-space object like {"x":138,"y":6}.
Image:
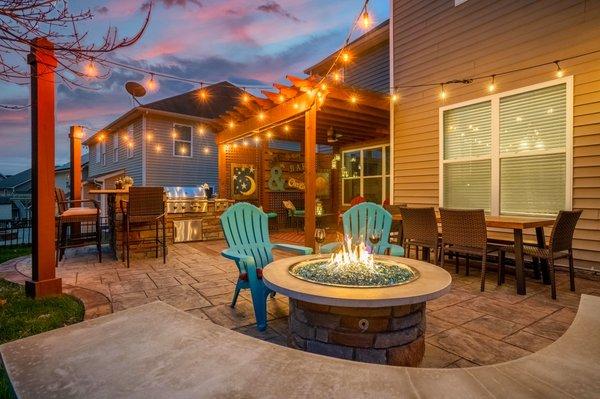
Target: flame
{"x":351,"y":255}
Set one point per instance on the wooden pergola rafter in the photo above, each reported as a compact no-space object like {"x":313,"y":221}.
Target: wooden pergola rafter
{"x":316,"y":111}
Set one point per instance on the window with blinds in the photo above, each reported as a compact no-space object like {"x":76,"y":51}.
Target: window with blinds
{"x":514,"y":163}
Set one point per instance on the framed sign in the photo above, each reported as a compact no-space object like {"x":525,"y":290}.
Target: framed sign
{"x":243,"y":182}
{"x":323,"y":183}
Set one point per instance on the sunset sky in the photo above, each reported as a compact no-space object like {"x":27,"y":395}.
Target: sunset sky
{"x":242,"y":41}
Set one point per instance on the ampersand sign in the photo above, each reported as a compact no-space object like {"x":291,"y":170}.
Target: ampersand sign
{"x":276,"y":180}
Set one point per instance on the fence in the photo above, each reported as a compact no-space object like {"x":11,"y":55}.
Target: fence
{"x":19,"y":232}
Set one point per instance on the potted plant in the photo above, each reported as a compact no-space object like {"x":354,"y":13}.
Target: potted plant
{"x":207,"y":190}
{"x":124,"y":183}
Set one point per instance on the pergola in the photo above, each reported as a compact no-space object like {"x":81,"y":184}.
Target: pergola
{"x":316,"y":111}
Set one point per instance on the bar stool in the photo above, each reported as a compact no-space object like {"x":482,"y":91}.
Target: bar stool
{"x":146,"y":206}
{"x":71,"y":216}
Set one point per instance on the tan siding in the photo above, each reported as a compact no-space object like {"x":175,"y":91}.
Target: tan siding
{"x":435,"y":41}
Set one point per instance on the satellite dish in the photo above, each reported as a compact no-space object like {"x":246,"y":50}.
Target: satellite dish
{"x":135,"y":89}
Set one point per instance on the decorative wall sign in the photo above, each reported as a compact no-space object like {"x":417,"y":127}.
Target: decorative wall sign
{"x":295,"y":183}
{"x":243,"y":181}
{"x":323,"y":183}
{"x":276,"y":181}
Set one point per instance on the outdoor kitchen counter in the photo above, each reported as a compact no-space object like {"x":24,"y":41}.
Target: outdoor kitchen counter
{"x":207,"y":220}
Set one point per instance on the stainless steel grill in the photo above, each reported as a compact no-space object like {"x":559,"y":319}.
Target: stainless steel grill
{"x":186,"y":200}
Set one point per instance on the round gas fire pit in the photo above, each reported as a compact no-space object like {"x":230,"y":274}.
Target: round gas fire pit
{"x":377,"y":317}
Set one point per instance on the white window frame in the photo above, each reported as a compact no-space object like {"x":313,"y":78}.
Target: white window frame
{"x":98,"y":152}
{"x":386,"y":173}
{"x":103,"y":152}
{"x":495,"y":155}
{"x":191,"y":141}
{"x":116,"y":147}
{"x":130,"y":141}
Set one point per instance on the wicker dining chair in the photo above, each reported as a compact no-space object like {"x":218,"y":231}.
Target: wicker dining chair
{"x":145,"y":206}
{"x":68,"y":215}
{"x":396,"y":231}
{"x":560,"y":246}
{"x":464,"y":232}
{"x":420,"y":229}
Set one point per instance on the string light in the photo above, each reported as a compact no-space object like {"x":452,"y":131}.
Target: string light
{"x":158,"y":148}
{"x":149,"y":136}
{"x":269,"y":134}
{"x":336,"y":76}
{"x":245,"y":98}
{"x":130,"y":144}
{"x":90,"y":70}
{"x":345,"y":57}
{"x":244,"y":143}
{"x":492,"y":85}
{"x":443,"y":93}
{"x":206,"y":150}
{"x":151,"y":84}
{"x":235,"y":145}
{"x":261,"y":116}
{"x":101,"y":137}
{"x":202,"y":93}
{"x":365,"y":20}
{"x":256,"y":139}
{"x":231,"y":124}
{"x":353,"y":99}
{"x":394,"y":97}
{"x":281,"y":98}
{"x":559,"y":71}
{"x":286,"y":128}
{"x":201,"y":130}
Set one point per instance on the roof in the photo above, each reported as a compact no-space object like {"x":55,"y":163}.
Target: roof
{"x":16,"y":180}
{"x":67,"y":166}
{"x":360,"y":45}
{"x":223,"y":96}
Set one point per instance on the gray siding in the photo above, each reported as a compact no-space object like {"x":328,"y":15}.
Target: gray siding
{"x":132,"y":166}
{"x":371,"y":70}
{"x":165,"y":169}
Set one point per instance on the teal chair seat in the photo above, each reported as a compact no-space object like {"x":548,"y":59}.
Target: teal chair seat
{"x":246,"y":231}
{"x":362,"y":219}
{"x":271,"y":215}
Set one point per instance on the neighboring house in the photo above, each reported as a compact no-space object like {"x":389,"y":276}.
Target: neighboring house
{"x":169,"y":142}
{"x":369,"y":64}
{"x":6,"y":209}
{"x":530,"y":146}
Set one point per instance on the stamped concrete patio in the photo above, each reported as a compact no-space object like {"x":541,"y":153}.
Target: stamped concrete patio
{"x":464,"y":328}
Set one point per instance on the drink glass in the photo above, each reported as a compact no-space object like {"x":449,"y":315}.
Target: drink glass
{"x":319,"y":238}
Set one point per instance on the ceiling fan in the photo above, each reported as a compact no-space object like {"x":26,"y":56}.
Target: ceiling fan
{"x":332,"y":136}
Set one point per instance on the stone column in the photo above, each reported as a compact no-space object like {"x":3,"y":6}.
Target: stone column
{"x":43,"y":278}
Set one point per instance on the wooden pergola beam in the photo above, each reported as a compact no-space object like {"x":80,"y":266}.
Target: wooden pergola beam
{"x":278,"y":114}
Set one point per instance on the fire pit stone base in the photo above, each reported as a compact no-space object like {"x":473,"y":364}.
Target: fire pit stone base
{"x":390,"y":335}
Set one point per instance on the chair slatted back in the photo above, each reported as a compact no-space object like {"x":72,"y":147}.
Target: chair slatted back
{"x":362,"y":219}
{"x":245,"y":228}
{"x":420,"y":225}
{"x":146,"y":201}
{"x":464,"y":227}
{"x":561,"y":238}
{"x":61,"y":199}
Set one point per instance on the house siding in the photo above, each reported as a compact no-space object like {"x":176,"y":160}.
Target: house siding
{"x":435,"y":41}
{"x":371,"y":70}
{"x":132,"y":166}
{"x":165,"y":169}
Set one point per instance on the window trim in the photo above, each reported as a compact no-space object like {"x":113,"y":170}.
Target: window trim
{"x":116,"y":147}
{"x":129,"y":149}
{"x":496,"y":156}
{"x":98,"y":151}
{"x":191,"y":141}
{"x":386,"y":173}
{"x":103,"y":153}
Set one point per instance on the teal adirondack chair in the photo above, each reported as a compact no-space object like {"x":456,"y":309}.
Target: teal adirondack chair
{"x":359,"y":221}
{"x":247,"y":233}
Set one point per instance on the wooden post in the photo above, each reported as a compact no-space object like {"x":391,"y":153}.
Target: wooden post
{"x":222,"y":169}
{"x":75,"y":136}
{"x":43,"y":278}
{"x":310,"y":175}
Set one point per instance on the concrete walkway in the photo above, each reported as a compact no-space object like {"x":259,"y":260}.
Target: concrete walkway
{"x":464,"y":328}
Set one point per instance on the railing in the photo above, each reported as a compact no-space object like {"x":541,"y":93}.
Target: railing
{"x":15,"y":232}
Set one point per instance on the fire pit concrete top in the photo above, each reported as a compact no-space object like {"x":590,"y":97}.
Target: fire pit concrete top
{"x":432,"y":283}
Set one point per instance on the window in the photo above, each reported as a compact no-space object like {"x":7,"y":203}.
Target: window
{"x":130,"y":141}
{"x":98,"y":154}
{"x":116,"y":147}
{"x":509,"y":153}
{"x":182,"y":140}
{"x":103,"y":151}
{"x":366,"y":173}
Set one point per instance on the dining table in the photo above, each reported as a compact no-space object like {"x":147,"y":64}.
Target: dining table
{"x":517,"y":224}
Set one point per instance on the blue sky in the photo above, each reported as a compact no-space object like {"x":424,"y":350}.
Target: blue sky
{"x":243,"y":41}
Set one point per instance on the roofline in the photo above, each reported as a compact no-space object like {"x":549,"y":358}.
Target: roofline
{"x":112,"y":124}
{"x":377,"y":35}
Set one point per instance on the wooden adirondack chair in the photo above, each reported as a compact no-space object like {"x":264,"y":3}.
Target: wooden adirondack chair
{"x":246,"y":231}
{"x":359,"y":221}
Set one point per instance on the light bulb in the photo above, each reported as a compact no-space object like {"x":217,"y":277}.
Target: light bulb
{"x":151,"y":84}
{"x":336,"y":77}
{"x":261,"y":116}
{"x":281,"y":98}
{"x":90,"y":70}
{"x":286,"y":128}
{"x":492,"y":86}
{"x":394,"y":98}
{"x":231,"y":124}
{"x":206,"y":150}
{"x":269,"y":134}
{"x":353,"y":99}
{"x":158,"y":148}
{"x":365,"y":20}
{"x":245,"y":98}
{"x":345,"y":57}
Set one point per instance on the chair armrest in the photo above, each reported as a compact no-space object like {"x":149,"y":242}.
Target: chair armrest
{"x":330,"y":247}
{"x":396,"y":250}
{"x":237,"y":256}
{"x":93,"y":201}
{"x":294,"y":248}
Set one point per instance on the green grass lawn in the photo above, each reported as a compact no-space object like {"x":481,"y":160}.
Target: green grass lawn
{"x":7,"y":253}
{"x":21,"y":316}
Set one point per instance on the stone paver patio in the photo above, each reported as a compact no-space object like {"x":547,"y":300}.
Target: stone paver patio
{"x":464,"y":328}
